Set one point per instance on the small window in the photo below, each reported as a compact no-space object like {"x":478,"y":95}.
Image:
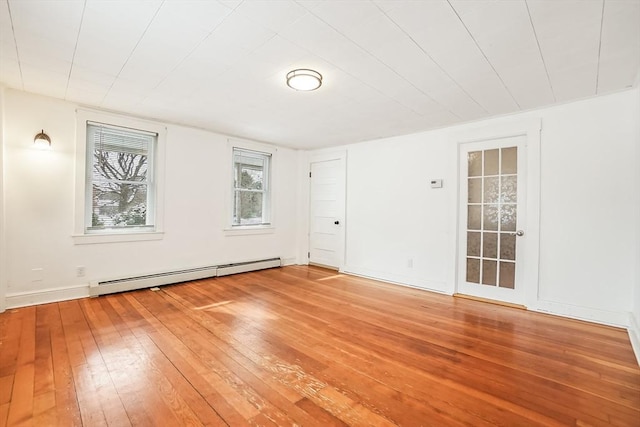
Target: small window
{"x":251,"y":192}
{"x":120,"y":179}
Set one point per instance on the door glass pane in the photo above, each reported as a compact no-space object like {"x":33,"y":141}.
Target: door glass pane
{"x":491,"y":162}
{"x":473,"y":270}
{"x":489,"y":271}
{"x":509,"y":160}
{"x":508,"y":218}
{"x":491,"y":190}
{"x":474,"y":159}
{"x":507,"y":246}
{"x":490,"y":217}
{"x":475,"y":190}
{"x":473,"y":243}
{"x":474,"y":218}
{"x":490,"y":245}
{"x":509,"y":189}
{"x":507,"y":275}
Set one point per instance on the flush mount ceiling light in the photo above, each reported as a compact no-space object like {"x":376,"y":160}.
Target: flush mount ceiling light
{"x":304,"y":79}
{"x":42,"y":140}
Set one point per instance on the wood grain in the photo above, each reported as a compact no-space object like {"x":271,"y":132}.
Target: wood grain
{"x":308,"y":346}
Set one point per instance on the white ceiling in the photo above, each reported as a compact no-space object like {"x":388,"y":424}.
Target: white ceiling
{"x":390,"y":67}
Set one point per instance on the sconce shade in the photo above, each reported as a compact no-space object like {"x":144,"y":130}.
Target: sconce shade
{"x":42,"y":140}
{"x":304,"y":79}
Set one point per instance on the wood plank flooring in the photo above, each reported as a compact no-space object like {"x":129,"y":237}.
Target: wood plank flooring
{"x":307,"y":346}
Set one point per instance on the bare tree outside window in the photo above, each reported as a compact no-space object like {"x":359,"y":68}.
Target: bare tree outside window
{"x":120,"y":177}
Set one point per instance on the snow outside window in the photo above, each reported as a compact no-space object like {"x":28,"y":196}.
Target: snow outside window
{"x":120,"y":179}
{"x":251,"y":192}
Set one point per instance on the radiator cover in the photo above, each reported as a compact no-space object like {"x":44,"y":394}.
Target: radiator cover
{"x":170,"y":277}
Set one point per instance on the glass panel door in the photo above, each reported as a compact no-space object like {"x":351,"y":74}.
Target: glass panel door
{"x":489,"y":222}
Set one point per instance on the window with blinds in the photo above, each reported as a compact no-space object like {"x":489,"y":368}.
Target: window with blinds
{"x":120,"y":190}
{"x":251,"y":193}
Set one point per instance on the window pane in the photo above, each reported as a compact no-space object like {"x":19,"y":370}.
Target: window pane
{"x":250,"y":187}
{"x":473,"y":270}
{"x":473,"y":244}
{"x":507,"y":275}
{"x":118,"y":205}
{"x":491,"y":162}
{"x":119,"y":166}
{"x":474,"y":160}
{"x":118,"y":159}
{"x":250,"y":177}
{"x":490,"y":245}
{"x":510,"y":160}
{"x":489,"y":272}
{"x":247,"y":208}
{"x":475,"y":190}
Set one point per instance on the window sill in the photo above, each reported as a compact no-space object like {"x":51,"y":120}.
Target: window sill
{"x":249,"y":230}
{"x":97,"y":238}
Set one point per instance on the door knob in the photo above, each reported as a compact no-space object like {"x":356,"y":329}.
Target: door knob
{"x":518,"y":233}
{"x":336,"y":222}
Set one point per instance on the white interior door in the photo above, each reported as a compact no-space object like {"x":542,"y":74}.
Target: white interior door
{"x":492,"y":219}
{"x":327,"y":204}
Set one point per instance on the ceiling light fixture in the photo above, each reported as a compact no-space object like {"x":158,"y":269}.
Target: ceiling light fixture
{"x":42,"y":140}
{"x":304,"y":79}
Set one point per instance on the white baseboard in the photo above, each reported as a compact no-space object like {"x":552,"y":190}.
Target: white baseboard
{"x":634,"y":335}
{"x":289,"y":261}
{"x":44,"y":296}
{"x":611,"y":318}
{"x":427,"y":285}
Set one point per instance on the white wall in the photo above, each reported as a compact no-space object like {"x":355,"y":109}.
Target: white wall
{"x":588,"y":246}
{"x":634,"y":330}
{"x":39,"y":204}
{"x":3,"y":251}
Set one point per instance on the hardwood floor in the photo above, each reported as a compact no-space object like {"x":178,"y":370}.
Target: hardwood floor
{"x":307,"y":346}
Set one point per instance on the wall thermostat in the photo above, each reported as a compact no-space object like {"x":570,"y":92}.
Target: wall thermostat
{"x":436,"y":183}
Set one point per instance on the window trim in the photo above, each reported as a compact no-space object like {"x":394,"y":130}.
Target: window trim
{"x":229,"y":228}
{"x":81,"y":234}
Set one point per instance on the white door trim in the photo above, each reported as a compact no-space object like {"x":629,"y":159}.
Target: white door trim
{"x":323,"y":156}
{"x":530,"y":128}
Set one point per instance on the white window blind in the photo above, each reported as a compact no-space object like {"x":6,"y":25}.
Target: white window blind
{"x":120,"y":190}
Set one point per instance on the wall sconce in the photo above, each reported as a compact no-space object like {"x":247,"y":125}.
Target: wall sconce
{"x":42,"y":141}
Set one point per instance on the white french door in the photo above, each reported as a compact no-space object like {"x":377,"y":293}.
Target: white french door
{"x":492,"y":215}
{"x":327,"y":205}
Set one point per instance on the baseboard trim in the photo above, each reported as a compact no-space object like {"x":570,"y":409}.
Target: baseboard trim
{"x":490,"y":301}
{"x":634,"y":335}
{"x":423,"y":285}
{"x":611,"y":318}
{"x":44,"y":296}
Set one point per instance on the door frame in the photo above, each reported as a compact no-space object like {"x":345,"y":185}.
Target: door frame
{"x":531,"y":129}
{"x":324,"y":156}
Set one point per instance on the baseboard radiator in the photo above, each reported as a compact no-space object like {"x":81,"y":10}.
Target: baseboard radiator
{"x":171,"y":277}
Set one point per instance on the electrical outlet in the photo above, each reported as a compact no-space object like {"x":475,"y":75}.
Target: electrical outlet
{"x":410,"y":262}
{"x":80,"y":271}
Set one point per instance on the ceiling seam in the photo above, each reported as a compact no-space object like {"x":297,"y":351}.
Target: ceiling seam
{"x":213,"y":30}
{"x":388,"y":67}
{"x":431,"y":58}
{"x":484,"y":55}
{"x":132,"y":51}
{"x":599,"y":48}
{"x":375,"y":89}
{"x":15,"y":43}
{"x":544,"y":63}
{"x":75,"y":49}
